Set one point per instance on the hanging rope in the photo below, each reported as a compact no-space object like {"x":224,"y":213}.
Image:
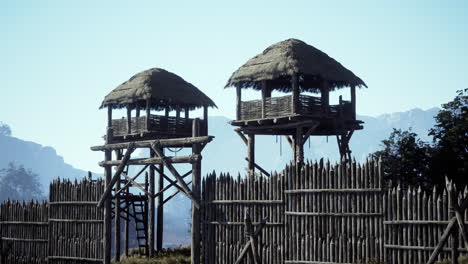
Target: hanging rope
{"x":175,"y":150}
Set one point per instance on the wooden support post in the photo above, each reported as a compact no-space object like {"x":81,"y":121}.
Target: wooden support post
{"x":196,"y":189}
{"x":295,"y":94}
{"x":127,"y":223}
{"x":186,"y":113}
{"x":177,"y":114}
{"x":129,"y":120}
{"x":148,"y":114}
{"x":108,"y":203}
{"x":353,"y":101}
{"x":109,"y":117}
{"x":166,"y":111}
{"x":205,"y":119}
{"x":160,"y":209}
{"x":325,"y":97}
{"x":299,"y":148}
{"x":251,"y":153}
{"x":264,"y":89}
{"x":455,"y":244}
{"x":151,"y":208}
{"x":146,"y":215}
{"x":117,"y":251}
{"x":137,"y":110}
{"x":238,"y":103}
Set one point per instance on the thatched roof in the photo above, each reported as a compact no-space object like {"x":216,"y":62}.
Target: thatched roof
{"x":162,"y":87}
{"x":280,"y":61}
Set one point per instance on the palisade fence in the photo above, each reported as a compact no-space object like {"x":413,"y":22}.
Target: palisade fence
{"x":66,"y":229}
{"x":338,"y":213}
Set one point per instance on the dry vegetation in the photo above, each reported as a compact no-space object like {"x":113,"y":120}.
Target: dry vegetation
{"x":166,"y":256}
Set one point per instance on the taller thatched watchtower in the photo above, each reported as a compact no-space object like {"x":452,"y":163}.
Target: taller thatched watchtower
{"x":294,"y":67}
{"x":160,"y":91}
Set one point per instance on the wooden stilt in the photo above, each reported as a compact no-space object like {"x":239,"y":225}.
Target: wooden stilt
{"x":251,"y":153}
{"x":196,"y":189}
{"x":127,"y":222}
{"x":118,"y":155}
{"x":160,"y":210}
{"x":151,"y":208}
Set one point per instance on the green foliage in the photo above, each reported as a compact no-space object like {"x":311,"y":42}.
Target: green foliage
{"x":166,"y":256}
{"x":18,"y":183}
{"x":451,"y":139}
{"x":405,"y":159}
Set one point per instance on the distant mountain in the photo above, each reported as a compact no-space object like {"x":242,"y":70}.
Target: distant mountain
{"x":42,"y":160}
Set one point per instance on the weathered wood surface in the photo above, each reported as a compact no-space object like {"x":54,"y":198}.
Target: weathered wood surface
{"x":328,"y":214}
{"x":174,"y":142}
{"x":79,"y":235}
{"x":24,"y":232}
{"x":69,"y":229}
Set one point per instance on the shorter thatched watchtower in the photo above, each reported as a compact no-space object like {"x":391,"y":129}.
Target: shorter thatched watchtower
{"x":162,"y":91}
{"x":294,"y":67}
{"x":155,"y":89}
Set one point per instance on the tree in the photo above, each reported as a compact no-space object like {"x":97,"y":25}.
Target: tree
{"x":405,"y":159}
{"x":5,"y":129}
{"x":18,"y":183}
{"x":451,"y":140}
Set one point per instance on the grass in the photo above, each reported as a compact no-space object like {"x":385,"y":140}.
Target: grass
{"x":166,"y":256}
{"x":461,"y":260}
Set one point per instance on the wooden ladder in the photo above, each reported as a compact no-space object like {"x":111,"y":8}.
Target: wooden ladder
{"x":139,"y":212}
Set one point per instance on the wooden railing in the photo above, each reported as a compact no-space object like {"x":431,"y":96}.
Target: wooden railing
{"x":159,"y":125}
{"x":281,"y":106}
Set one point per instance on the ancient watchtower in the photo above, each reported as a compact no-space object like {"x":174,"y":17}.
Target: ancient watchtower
{"x":295,"y":68}
{"x":166,"y":100}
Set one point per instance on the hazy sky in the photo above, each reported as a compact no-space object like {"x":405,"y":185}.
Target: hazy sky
{"x":60,"y":58}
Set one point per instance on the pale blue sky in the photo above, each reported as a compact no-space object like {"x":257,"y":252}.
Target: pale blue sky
{"x":60,"y":58}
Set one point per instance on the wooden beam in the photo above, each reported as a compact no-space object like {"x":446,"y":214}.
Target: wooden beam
{"x":116,"y":177}
{"x":251,"y":153}
{"x":205,"y":121}
{"x":264,"y":88}
{"x":304,"y":123}
{"x":129,"y":120}
{"x":168,"y":164}
{"x":148,"y":114}
{"x":325,"y":97}
{"x":442,"y":241}
{"x":242,"y":136}
{"x":174,"y":184}
{"x":171,"y":183}
{"x":117,"y":216}
{"x":173,"y":142}
{"x":295,"y":94}
{"x":151,"y":161}
{"x":174,"y":194}
{"x":290,"y":141}
{"x":109,"y":116}
{"x":196,"y":192}
{"x":309,"y":132}
{"x":151,"y":209}
{"x":160,"y":208}
{"x":353,"y":101}
{"x":259,"y":168}
{"x":187,"y":112}
{"x":127,"y":185}
{"x":137,"y":110}
{"x":238,"y":103}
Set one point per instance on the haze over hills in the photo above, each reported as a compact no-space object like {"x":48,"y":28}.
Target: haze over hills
{"x":225,"y":153}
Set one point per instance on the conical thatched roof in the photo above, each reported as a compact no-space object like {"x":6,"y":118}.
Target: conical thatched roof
{"x":162,"y":87}
{"x":283,"y":59}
